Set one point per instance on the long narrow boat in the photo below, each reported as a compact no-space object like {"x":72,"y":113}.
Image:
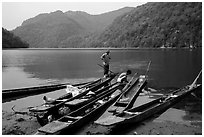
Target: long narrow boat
{"x":9,"y":93}
{"x":81,"y":87}
{"x":66,"y":98}
{"x":73,"y":105}
{"x":127,"y":99}
{"x":76,"y":103}
{"x":138,"y":114}
{"x":43,"y":111}
{"x":80,"y":117}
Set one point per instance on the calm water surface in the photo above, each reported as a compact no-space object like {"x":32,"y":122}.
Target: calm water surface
{"x":169,"y":69}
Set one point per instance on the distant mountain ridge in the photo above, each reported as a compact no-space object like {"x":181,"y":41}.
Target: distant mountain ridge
{"x":52,"y":29}
{"x":159,"y":24}
{"x":151,"y":25}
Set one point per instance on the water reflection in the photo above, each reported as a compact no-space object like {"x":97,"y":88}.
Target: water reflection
{"x":18,"y":75}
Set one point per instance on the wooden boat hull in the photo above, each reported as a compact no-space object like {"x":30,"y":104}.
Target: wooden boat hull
{"x":81,"y":101}
{"x":61,"y":126}
{"x":145,"y":111}
{"x":44,"y":111}
{"x":136,"y":89}
{"x":158,"y":108}
{"x":118,"y":107}
{"x":60,"y":103}
{"x":9,"y":93}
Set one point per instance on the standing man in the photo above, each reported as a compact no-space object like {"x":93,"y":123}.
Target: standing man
{"x":106,"y":60}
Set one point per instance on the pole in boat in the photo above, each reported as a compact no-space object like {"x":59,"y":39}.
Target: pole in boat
{"x":148,"y":68}
{"x":194,"y":82}
{"x":127,"y":85}
{"x":108,"y":70}
{"x":130,"y":81}
{"x":133,"y":76}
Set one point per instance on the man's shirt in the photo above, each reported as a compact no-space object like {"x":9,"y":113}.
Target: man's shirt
{"x":122,"y":77}
{"x":106,"y":59}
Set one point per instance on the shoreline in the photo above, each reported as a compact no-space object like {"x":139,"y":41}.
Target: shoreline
{"x":15,"y":124}
{"x":174,"y":121}
{"x":104,"y":48}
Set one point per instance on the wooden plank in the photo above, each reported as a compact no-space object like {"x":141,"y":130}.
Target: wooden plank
{"x":54,"y":127}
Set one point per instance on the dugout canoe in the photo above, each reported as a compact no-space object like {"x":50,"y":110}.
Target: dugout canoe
{"x":87,"y":113}
{"x":127,"y":98}
{"x":66,"y":98}
{"x":138,"y":114}
{"x":78,"y":86}
{"x":73,"y":105}
{"x":10,"y":93}
{"x":43,"y":111}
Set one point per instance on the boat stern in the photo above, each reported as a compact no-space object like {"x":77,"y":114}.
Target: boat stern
{"x":53,"y":127}
{"x":110,"y":121}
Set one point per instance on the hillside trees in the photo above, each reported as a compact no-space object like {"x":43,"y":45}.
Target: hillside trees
{"x":177,"y":24}
{"x":9,"y":40}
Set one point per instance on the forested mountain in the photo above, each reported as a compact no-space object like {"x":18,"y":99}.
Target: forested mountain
{"x":93,"y":23}
{"x":9,"y":40}
{"x":57,"y":28}
{"x":160,"y":24}
{"x":165,"y":24}
{"x":48,"y":30}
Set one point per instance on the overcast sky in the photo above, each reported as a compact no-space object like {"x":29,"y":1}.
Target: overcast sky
{"x":14,"y":13}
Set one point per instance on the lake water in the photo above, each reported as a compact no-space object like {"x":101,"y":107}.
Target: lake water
{"x":170,"y":68}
